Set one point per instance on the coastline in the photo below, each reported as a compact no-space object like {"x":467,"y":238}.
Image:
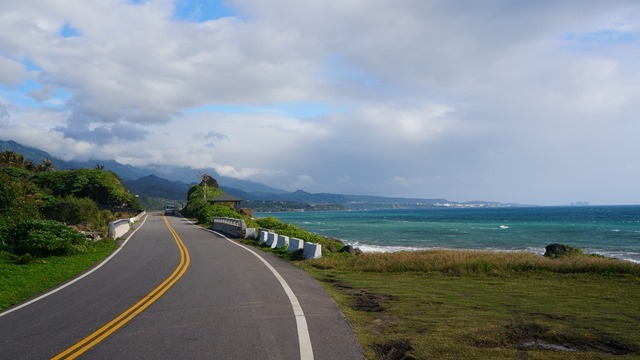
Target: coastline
{"x":376,"y":249}
{"x":449,"y":305}
{"x":593,"y":229}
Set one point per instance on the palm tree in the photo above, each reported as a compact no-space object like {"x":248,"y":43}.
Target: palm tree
{"x":12,"y":158}
{"x":9,"y":158}
{"x":45,"y":166}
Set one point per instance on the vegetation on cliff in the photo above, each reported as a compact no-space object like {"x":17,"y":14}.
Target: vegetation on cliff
{"x":41,"y":213}
{"x":37,"y":204}
{"x":200,"y":208}
{"x":198,"y":205}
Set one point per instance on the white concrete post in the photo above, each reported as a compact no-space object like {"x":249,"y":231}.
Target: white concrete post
{"x":263,"y":237}
{"x":272,"y":240}
{"x":295,"y":244}
{"x":283,"y":241}
{"x":312,"y":251}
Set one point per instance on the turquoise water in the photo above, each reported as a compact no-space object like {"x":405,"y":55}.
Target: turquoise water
{"x":612,"y":231}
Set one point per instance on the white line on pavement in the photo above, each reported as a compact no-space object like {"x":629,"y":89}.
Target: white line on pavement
{"x":16,"y":308}
{"x":306,"y":350}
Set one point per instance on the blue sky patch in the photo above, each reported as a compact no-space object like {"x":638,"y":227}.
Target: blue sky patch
{"x":308,"y":110}
{"x":68,"y":31}
{"x":201,"y":10}
{"x":31,"y":66}
{"x":17,"y":97}
{"x":58,"y":99}
{"x":22,"y":97}
{"x":337,"y":68}
{"x":599,"y":39}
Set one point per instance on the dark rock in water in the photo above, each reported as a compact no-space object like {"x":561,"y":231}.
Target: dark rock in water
{"x":552,"y":250}
{"x":351,"y":250}
{"x":557,"y":250}
{"x":347,"y":248}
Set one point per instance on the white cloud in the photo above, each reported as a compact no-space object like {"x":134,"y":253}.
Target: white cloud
{"x":245,"y":173}
{"x":507,"y":102}
{"x":344,"y":178}
{"x":12,"y":72}
{"x":303,"y":181}
{"x":400,"y":181}
{"x":407,"y":122}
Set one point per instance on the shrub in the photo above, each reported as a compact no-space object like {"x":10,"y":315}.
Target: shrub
{"x":196,"y":199}
{"x":18,"y":200}
{"x":205,"y":215}
{"x":72,"y":210}
{"x":44,"y":238}
{"x":103,"y":187}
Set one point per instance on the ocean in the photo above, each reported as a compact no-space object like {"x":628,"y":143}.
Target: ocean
{"x":612,"y":231}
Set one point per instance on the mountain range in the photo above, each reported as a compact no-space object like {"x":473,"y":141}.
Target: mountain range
{"x":173,"y":182}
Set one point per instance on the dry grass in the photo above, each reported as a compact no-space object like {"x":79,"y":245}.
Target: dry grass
{"x":486,"y":305}
{"x":466,"y":262}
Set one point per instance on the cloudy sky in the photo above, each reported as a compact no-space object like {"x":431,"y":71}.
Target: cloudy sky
{"x":500,"y":100}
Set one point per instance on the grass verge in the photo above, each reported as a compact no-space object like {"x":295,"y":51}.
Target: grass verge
{"x":19,"y":282}
{"x":475,"y":305}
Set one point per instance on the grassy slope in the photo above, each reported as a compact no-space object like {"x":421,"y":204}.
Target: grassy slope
{"x":21,"y":282}
{"x":456,"y":309}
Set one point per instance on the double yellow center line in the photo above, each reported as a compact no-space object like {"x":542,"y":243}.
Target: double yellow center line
{"x":115,"y":324}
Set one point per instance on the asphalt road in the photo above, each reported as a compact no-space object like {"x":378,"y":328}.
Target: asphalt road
{"x":198,"y":295}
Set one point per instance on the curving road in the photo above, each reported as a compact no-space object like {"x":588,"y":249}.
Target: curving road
{"x":178,"y":291}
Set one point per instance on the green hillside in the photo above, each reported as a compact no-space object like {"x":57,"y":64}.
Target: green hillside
{"x":41,"y":209}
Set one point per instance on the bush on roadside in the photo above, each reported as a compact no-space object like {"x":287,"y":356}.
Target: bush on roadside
{"x":205,"y":215}
{"x":43,"y":238}
{"x":18,"y":200}
{"x":103,"y":187}
{"x":328,"y":245}
{"x":72,"y":210}
{"x":196,"y":202}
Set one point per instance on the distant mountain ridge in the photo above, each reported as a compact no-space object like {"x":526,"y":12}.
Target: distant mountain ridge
{"x":174,"y":183}
{"x":128,"y":172}
{"x":153,"y":186}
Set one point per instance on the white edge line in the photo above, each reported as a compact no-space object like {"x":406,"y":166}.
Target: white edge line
{"x":16,"y":308}
{"x":306,"y":350}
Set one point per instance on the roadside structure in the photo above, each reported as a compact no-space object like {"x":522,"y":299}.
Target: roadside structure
{"x":226,"y":198}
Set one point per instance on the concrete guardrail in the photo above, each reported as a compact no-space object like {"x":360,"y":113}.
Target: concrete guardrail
{"x":312,"y":251}
{"x":272,"y":240}
{"x":263,"y":237}
{"x":251,"y":233}
{"x":120,"y":227}
{"x":283,"y":241}
{"x":295,"y":244}
{"x":231,"y":226}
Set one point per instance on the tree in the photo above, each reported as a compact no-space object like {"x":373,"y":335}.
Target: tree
{"x":10,"y":158}
{"x":45,"y":166}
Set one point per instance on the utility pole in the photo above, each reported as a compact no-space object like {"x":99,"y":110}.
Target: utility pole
{"x":204,"y":180}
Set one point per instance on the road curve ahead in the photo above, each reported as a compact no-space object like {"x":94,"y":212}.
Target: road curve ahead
{"x":227,"y":303}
